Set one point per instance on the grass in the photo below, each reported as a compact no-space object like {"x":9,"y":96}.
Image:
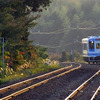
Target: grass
{"x":29,"y":72}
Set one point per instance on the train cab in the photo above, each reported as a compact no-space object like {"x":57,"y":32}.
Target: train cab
{"x":91,"y":49}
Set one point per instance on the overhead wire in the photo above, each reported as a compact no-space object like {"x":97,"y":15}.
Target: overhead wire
{"x":77,"y":41}
{"x":65,"y":29}
{"x":53,"y":32}
{"x":55,"y":46}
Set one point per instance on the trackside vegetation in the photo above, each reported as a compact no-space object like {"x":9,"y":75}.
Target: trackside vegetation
{"x":28,"y":72}
{"x":15,"y":22}
{"x":69,"y":57}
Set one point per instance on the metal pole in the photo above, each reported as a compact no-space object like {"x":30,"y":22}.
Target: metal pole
{"x":72,"y":55}
{"x":3,"y":56}
{"x":72,"y":51}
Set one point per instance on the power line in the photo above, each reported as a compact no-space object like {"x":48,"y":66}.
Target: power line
{"x":55,"y":46}
{"x":65,"y":29}
{"x":53,"y":32}
{"x":89,"y":28}
{"x":61,"y":45}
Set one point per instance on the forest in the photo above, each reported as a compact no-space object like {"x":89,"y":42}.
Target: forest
{"x":66,"y":14}
{"x":66,"y":21}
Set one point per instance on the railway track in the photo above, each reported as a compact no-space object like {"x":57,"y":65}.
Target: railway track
{"x":86,"y":89}
{"x":11,"y":91}
{"x":59,"y":88}
{"x":95,"y":94}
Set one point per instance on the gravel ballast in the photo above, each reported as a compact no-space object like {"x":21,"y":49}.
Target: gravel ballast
{"x":60,"y":88}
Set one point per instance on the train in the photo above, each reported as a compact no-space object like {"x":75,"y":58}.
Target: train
{"x":91,"y":49}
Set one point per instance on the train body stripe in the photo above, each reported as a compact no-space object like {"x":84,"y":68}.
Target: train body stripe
{"x":93,"y":54}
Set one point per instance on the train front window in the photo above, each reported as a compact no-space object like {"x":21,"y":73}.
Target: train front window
{"x":91,"y":44}
{"x":97,"y":45}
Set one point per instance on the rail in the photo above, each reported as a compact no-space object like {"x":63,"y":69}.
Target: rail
{"x":38,"y":84}
{"x":31,"y":79}
{"x":97,"y":91}
{"x":81,"y":87}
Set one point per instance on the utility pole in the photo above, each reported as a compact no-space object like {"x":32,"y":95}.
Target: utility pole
{"x":3,"y":57}
{"x":72,"y":51}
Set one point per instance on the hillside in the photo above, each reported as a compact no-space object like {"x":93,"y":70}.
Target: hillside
{"x":59,"y":42}
{"x":69,"y":21}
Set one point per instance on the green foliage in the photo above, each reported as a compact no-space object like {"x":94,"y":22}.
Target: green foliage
{"x":69,"y":13}
{"x":67,"y":56}
{"x":78,"y":57}
{"x":76,"y":21}
{"x":64,"y":15}
{"x":29,"y":72}
{"x":96,"y":12}
{"x":15,"y":21}
{"x":63,"y":57}
{"x":42,"y":52}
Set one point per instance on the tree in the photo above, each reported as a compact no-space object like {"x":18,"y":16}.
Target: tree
{"x":63,"y":15}
{"x":42,"y":52}
{"x":76,"y":20}
{"x":96,"y":12}
{"x":15,"y":21}
{"x":63,"y":57}
{"x":14,"y":17}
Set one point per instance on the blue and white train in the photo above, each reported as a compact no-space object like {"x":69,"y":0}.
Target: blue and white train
{"x":91,"y":49}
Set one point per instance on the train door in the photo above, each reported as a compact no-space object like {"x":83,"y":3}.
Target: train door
{"x":84,"y":47}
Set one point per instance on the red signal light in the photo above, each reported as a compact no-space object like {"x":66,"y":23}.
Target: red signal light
{"x":97,"y":39}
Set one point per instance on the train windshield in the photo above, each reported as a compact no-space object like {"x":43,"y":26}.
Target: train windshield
{"x":91,"y":44}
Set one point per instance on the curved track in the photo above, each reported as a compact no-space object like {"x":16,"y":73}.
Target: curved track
{"x":27,"y":86}
{"x":60,"y":85}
